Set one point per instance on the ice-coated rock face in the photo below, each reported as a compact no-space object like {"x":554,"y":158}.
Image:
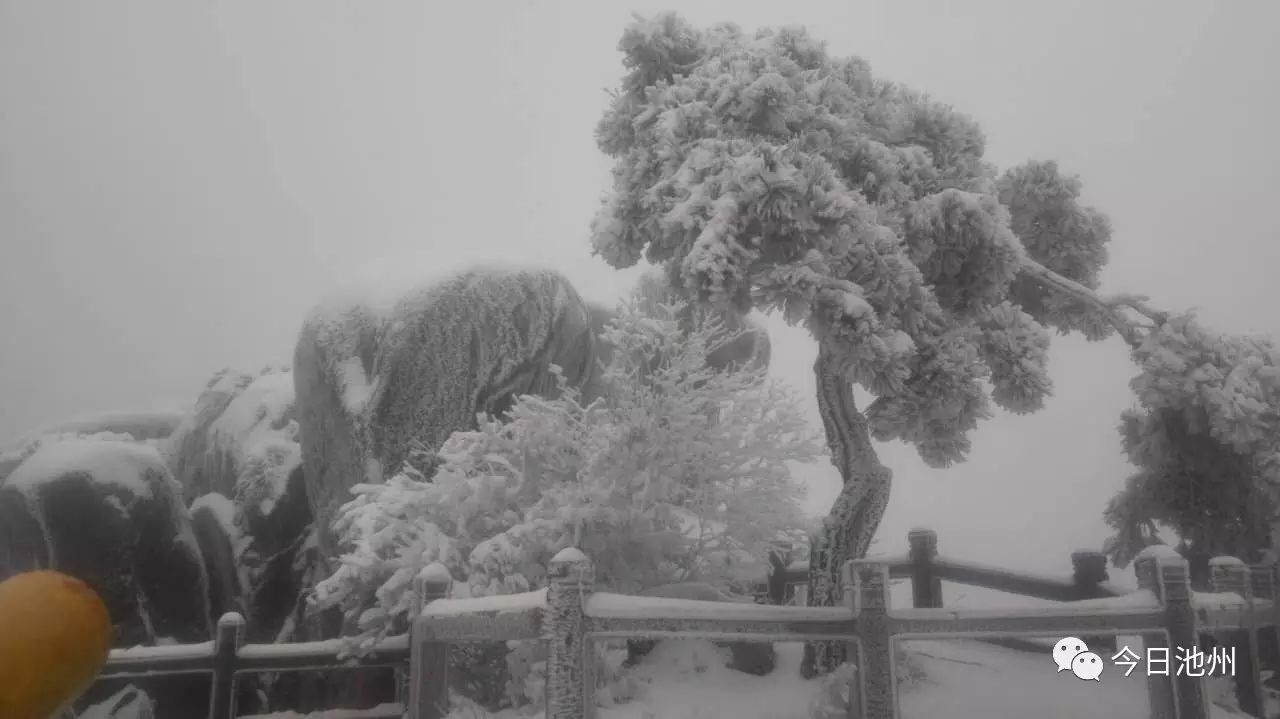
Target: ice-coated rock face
{"x":240,"y":440}
{"x":109,"y":513}
{"x":374,"y":378}
{"x":238,"y":452}
{"x":213,"y":521}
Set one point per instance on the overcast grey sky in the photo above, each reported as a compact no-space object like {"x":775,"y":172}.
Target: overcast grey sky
{"x":179,"y":181}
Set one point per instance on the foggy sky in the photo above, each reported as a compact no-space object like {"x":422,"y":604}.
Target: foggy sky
{"x":179,"y":181}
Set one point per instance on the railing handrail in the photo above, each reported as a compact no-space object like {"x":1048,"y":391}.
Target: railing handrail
{"x":252,"y":658}
{"x":569,"y":613}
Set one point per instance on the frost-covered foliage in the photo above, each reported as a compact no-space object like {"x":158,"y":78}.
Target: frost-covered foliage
{"x":675,"y":471}
{"x":765,"y":173}
{"x":1206,"y":439}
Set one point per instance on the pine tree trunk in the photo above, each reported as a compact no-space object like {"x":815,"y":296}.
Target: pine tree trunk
{"x":849,"y":528}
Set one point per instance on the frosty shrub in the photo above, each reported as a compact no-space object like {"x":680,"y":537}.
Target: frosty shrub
{"x":677,"y":472}
{"x":1205,"y":437}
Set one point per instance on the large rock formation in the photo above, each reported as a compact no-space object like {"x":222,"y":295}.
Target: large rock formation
{"x":373,"y":380}
{"x":238,"y":452}
{"x":213,"y":521}
{"x":240,"y":440}
{"x":109,"y":513}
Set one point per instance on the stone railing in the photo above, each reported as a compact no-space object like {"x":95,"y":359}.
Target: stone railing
{"x":569,"y":615}
{"x":227,"y":657}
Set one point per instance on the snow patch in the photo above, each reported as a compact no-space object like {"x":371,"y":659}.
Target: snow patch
{"x":569,"y":555}
{"x":356,"y":388}
{"x":494,"y":603}
{"x":604,"y":605}
{"x":106,"y":461}
{"x":223,"y":509}
{"x":257,"y":430}
{"x":1157,"y":551}
{"x":436,"y":573}
{"x":1216,"y":600}
{"x":265,"y":401}
{"x":382,"y":711}
{"x":128,"y":703}
{"x":144,"y":653}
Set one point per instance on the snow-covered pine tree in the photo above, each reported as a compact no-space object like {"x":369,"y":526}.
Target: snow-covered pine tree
{"x":761,"y":172}
{"x":1205,"y":437}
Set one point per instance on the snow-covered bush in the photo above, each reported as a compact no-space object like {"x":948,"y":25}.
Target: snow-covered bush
{"x":673,"y":474}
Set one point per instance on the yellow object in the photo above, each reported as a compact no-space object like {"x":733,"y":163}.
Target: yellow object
{"x":55,"y":634}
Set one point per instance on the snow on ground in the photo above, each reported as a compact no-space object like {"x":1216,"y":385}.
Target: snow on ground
{"x":962,"y":680}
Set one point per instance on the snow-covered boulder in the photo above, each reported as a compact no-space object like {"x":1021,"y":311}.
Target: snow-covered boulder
{"x":375,"y":374}
{"x":239,"y":441}
{"x":110,"y":513}
{"x":213,"y":521}
{"x":238,"y":452}
{"x":751,"y":657}
{"x":147,"y":426}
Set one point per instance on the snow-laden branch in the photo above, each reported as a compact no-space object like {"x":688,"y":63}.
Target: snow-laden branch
{"x":1107,"y":304}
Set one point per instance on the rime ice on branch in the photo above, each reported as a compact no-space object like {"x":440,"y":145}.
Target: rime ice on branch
{"x":761,"y":172}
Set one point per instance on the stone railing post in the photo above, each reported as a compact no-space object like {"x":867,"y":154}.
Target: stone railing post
{"x":926,"y":586}
{"x":1263,"y":579}
{"x":1180,"y":623}
{"x":1229,"y":574}
{"x":779,"y":559}
{"x":428,"y":660}
{"x":853,"y":651}
{"x":570,"y":688}
{"x":1088,"y":570}
{"x":1159,"y":687}
{"x":875,"y":671}
{"x":226,"y":648}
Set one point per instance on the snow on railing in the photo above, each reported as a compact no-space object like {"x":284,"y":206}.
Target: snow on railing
{"x":226,"y":657}
{"x":569,"y":615}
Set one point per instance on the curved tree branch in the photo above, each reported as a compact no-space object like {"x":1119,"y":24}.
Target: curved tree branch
{"x":1108,"y":306}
